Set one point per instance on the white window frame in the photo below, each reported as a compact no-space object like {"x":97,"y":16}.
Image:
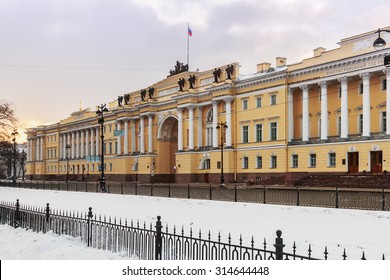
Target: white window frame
{"x":244,"y":104}
{"x":259,"y":166}
{"x":262,"y":132}
{"x":270,"y":131}
{"x":242,"y":134}
{"x":311,"y":157}
{"x":259,"y":101}
{"x":245,"y":162}
{"x":273,"y":163}
{"x":330,"y":161}
{"x":292,"y":160}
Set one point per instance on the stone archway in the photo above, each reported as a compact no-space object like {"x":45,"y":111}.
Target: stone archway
{"x":167,"y":146}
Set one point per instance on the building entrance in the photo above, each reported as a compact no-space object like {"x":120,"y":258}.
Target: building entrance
{"x":353,"y":162}
{"x":167,"y":141}
{"x":376,"y":161}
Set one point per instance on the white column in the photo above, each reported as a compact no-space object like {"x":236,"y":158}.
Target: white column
{"x":92,"y":147}
{"x":215,"y":123}
{"x":290,"y":113}
{"x":344,"y":108}
{"x":118,"y":139}
{"x":387,"y":72}
{"x":60,"y":146}
{"x":305,"y":113}
{"x":180,"y":129}
{"x":97,"y":147}
{"x":200,"y":127}
{"x":126,"y":140}
{"x":41,"y":148}
{"x":68,"y":143}
{"x":324,"y":110}
{"x":37,"y":149}
{"x":150,"y":133}
{"x":228,"y":102}
{"x":87,"y":148}
{"x":133,"y":136}
{"x":191,"y":127}
{"x":82,"y":143}
{"x":77,"y":135}
{"x":366,"y":104}
{"x":72,"y":145}
{"x":64,"y":137}
{"x":142,"y":134}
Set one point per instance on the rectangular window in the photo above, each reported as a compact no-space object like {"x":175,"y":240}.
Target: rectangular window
{"x":273,"y":99}
{"x":110,"y":166}
{"x":258,"y":102}
{"x":259,"y":162}
{"x":360,"y":87}
{"x":259,"y":132}
{"x":360,"y":123}
{"x":273,"y":131}
{"x":383,"y":121}
{"x":245,"y":163}
{"x":332,"y":160}
{"x":244,"y":104}
{"x":294,"y":161}
{"x":383,"y":85}
{"x":312,"y":160}
{"x":274,"y":162}
{"x":245,"y":134}
{"x":110,"y":148}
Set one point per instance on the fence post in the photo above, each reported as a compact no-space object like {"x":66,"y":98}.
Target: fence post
{"x":121,"y":187}
{"x":17,"y":214}
{"x":136,"y":188}
{"x":297,"y":196}
{"x":383,"y":200}
{"x":151,"y":190}
{"x":86,"y":186}
{"x":89,"y":242}
{"x":158,"y":241}
{"x":76,"y":186}
{"x":188,"y":191}
{"x":211,"y":193}
{"x":337,"y":197}
{"x":279,"y":245}
{"x":169,"y":190}
{"x":235,"y":193}
{"x":264,"y":195}
{"x":108,"y":188}
{"x":47,"y":217}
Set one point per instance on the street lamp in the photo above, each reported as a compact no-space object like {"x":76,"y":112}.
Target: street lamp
{"x":379,"y":42}
{"x":100,"y":115}
{"x":14,"y":133}
{"x":222,"y":126}
{"x":67,"y":147}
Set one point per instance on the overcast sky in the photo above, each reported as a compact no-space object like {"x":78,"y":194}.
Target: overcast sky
{"x":54,"y":54}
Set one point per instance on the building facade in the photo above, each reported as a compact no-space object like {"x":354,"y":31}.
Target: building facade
{"x":325,"y":114}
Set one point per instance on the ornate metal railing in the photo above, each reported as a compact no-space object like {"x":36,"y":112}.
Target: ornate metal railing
{"x":142,"y":242}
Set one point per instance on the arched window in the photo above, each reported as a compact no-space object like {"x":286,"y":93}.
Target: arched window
{"x":205,"y":163}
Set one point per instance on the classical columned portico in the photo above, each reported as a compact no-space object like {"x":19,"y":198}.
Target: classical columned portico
{"x":324,"y":110}
{"x":215,"y":124}
{"x":180,"y":129}
{"x":344,"y":130}
{"x":305,"y":113}
{"x":191,"y":127}
{"x":228,"y":102}
{"x":366,"y":104}
{"x":290,"y":114}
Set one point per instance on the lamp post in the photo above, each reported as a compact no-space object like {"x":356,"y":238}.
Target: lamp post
{"x":14,"y":133}
{"x":222,"y":126}
{"x":100,"y":115}
{"x":379,"y":42}
{"x":67,"y":147}
{"x":22,"y":163}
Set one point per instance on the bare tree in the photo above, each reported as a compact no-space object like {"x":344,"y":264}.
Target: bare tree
{"x":7,"y":120}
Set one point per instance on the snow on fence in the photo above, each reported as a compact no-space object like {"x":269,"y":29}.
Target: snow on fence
{"x":142,"y":242}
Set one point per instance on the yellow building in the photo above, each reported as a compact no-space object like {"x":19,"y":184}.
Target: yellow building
{"x":326,"y":114}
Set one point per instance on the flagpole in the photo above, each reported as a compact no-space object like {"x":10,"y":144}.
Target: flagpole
{"x":188,"y":46}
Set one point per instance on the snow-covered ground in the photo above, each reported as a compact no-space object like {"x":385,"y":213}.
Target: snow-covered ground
{"x":354,"y":230}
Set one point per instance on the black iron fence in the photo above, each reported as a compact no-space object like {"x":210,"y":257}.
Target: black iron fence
{"x":369,"y":199}
{"x":146,"y":243}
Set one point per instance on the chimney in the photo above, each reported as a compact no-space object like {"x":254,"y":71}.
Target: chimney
{"x":263,"y":67}
{"x":281,"y":61}
{"x":319,"y":51}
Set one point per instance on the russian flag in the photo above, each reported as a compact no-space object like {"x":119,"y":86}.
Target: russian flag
{"x":189,"y":31}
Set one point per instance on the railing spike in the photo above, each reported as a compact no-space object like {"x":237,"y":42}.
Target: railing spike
{"x":363,"y":257}
{"x":344,"y":255}
{"x":326,"y":253}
